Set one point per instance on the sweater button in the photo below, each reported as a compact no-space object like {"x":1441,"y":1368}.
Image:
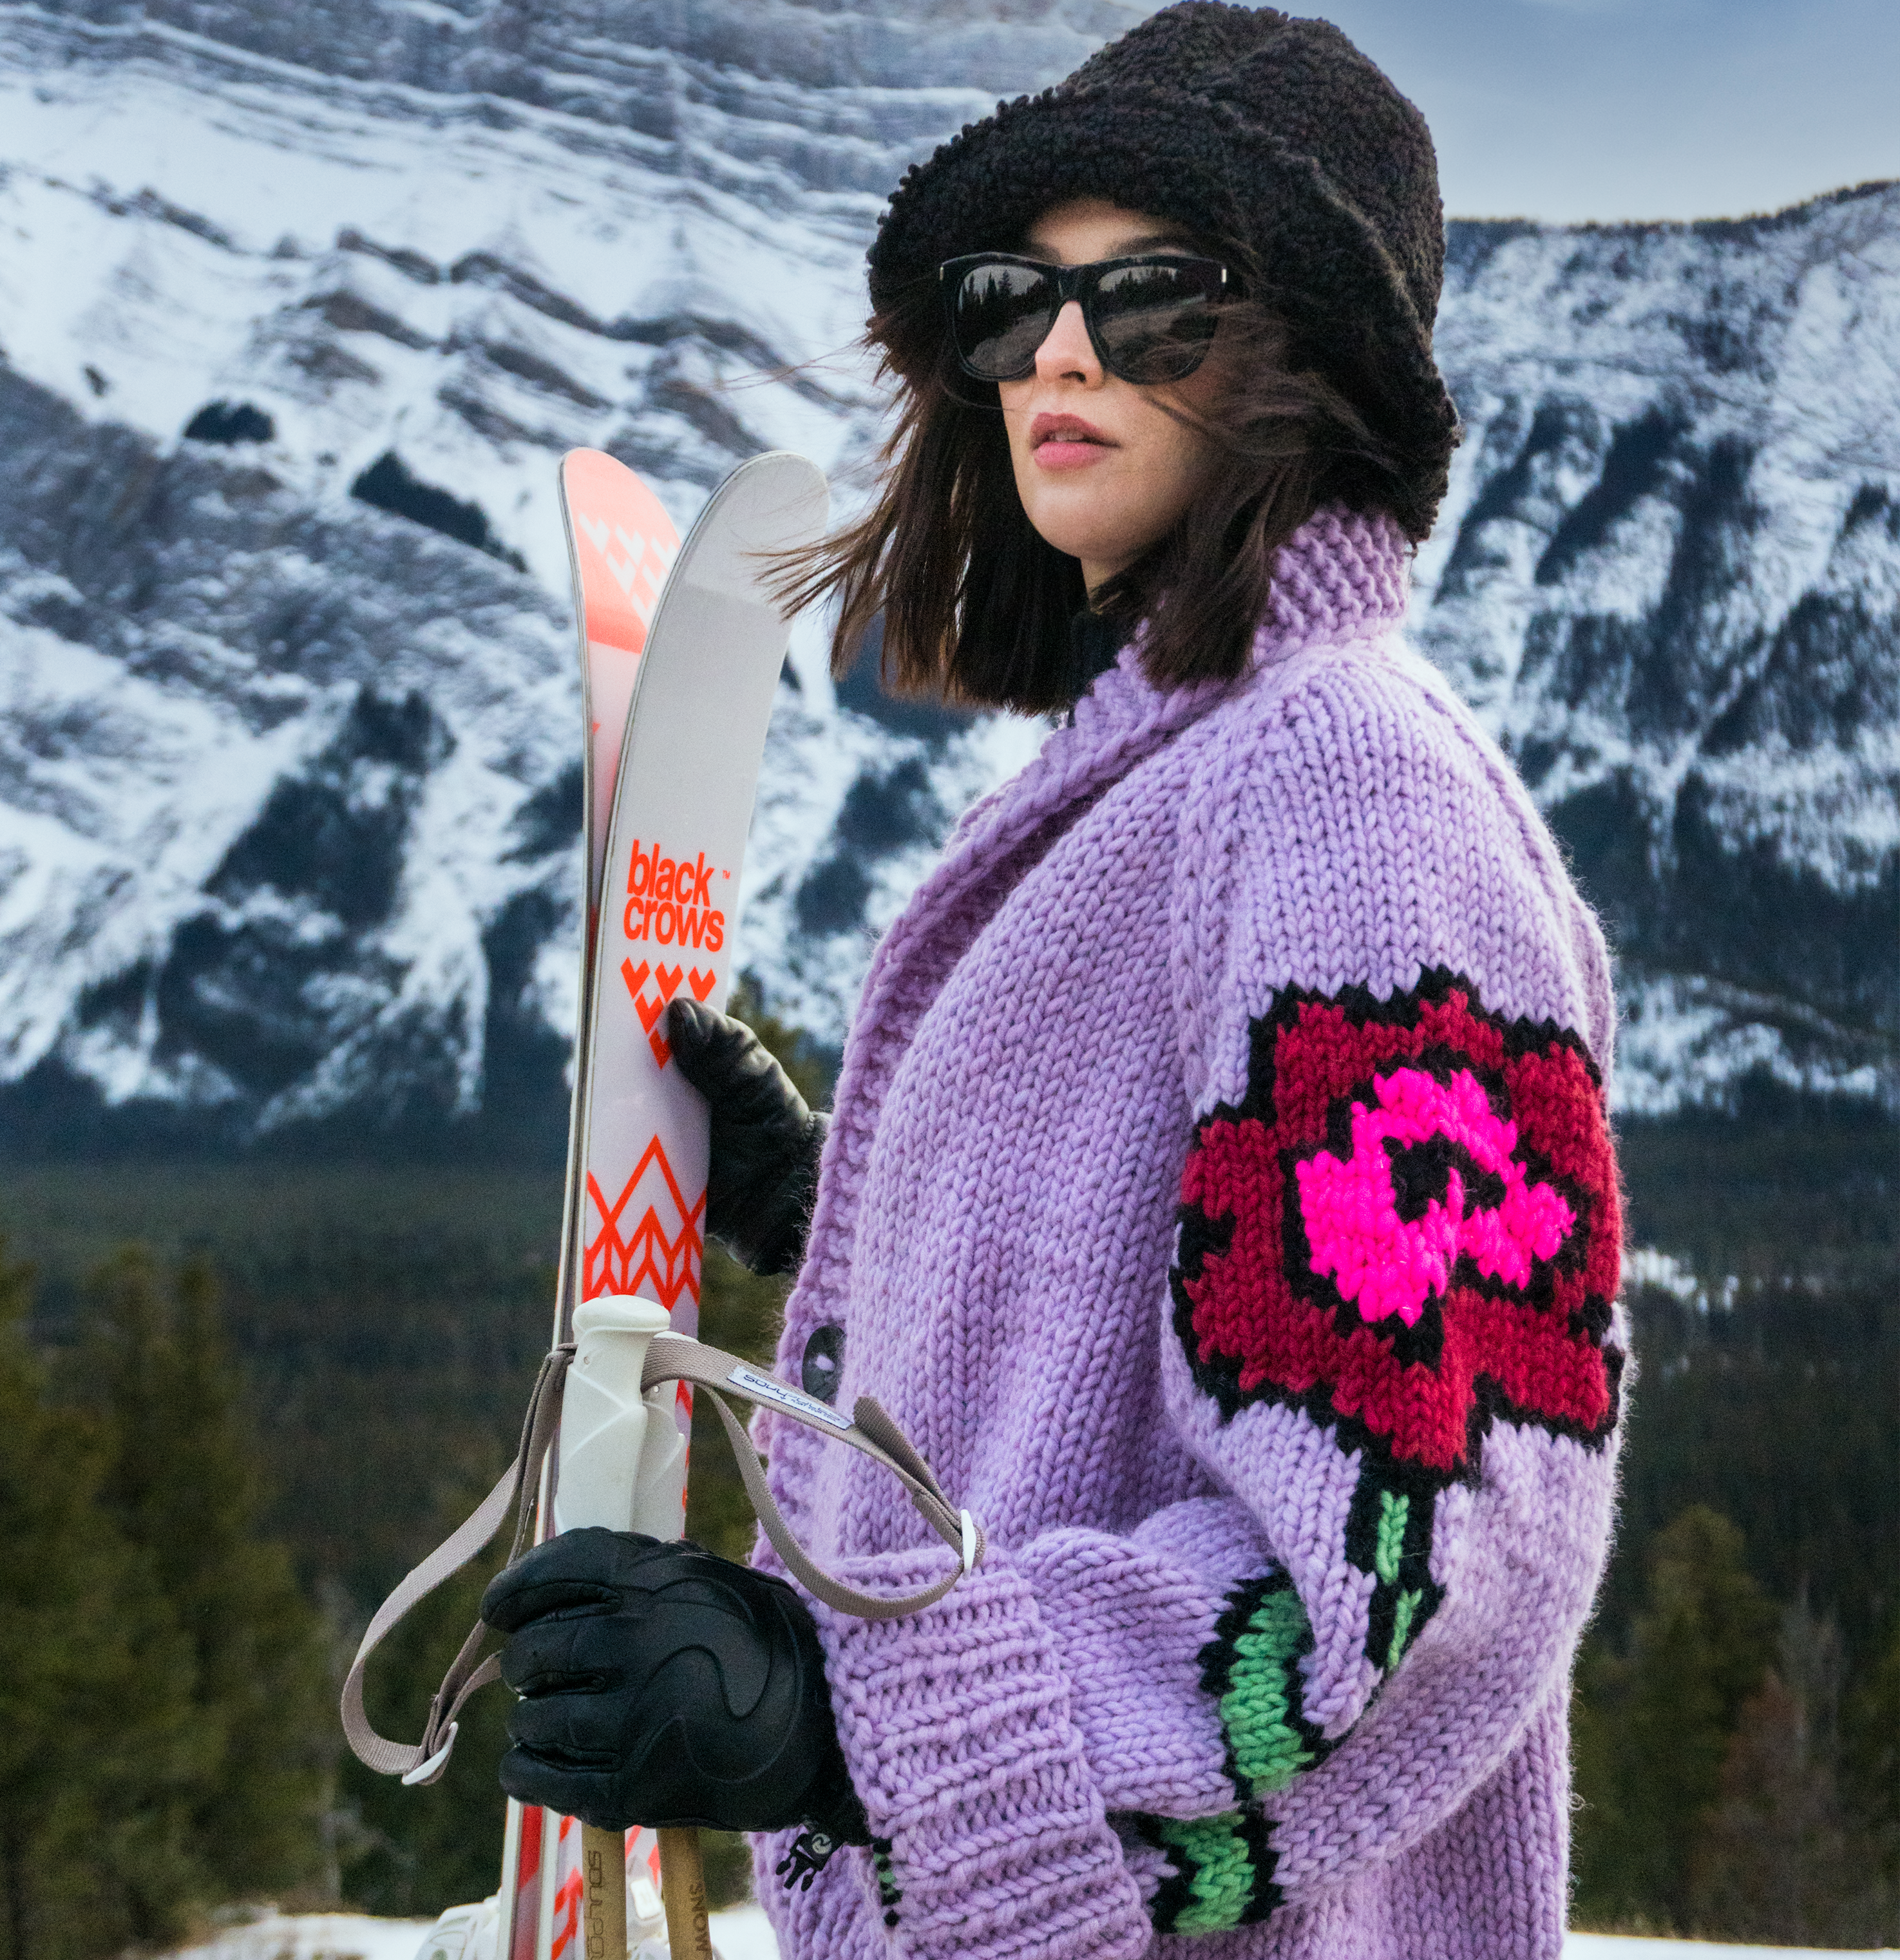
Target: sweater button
{"x":823,"y":1362}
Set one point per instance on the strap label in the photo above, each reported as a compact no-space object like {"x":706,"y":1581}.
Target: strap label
{"x":769,"y":1388}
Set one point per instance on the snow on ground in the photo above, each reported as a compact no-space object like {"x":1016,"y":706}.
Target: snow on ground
{"x":327,"y":1936}
{"x":1612,"y":1946}
{"x":743,"y":1934}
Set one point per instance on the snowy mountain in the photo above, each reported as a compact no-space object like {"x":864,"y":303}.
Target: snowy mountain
{"x":1668,"y":577}
{"x":298,"y":310}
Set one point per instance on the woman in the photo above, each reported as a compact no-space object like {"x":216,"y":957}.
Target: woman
{"x":1219,"y":1190}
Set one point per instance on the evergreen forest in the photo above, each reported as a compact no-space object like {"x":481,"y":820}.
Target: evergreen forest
{"x":239,"y":1399}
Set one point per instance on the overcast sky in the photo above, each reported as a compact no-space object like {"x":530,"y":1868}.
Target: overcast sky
{"x":1609,"y":109}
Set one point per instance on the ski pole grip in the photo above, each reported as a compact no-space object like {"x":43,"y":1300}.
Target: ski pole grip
{"x":616,"y":1468}
{"x":622,"y":1465}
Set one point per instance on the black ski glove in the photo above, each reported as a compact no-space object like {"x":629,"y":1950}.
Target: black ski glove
{"x":765,"y":1141}
{"x":661,"y":1684}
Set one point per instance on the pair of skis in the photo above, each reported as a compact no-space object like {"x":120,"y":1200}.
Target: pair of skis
{"x":682,"y":646}
{"x":681,"y":649}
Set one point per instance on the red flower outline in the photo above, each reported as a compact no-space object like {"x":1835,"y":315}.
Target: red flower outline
{"x":1257,"y":1321}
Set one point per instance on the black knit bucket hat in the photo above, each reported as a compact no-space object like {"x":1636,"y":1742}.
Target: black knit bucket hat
{"x":1244,"y":126}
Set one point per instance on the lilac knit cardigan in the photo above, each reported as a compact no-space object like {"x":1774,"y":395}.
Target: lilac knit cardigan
{"x":1219,"y":1192}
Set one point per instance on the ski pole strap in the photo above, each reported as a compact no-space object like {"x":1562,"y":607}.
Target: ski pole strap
{"x":676,"y":1357}
{"x":670,"y":1357}
{"x":423,"y":1762}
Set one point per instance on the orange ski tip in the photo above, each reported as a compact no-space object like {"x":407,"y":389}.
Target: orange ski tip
{"x":624,"y":545}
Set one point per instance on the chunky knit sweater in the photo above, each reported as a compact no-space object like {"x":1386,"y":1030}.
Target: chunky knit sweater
{"x":1220,"y":1193}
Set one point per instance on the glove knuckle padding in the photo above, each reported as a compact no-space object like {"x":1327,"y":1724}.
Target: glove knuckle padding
{"x":568,"y":1598}
{"x":698,"y":1696}
{"x":578,"y":1570}
{"x":554,"y":1656}
{"x":561,"y":1727}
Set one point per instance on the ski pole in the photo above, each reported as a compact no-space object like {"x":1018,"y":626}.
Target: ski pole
{"x":683,"y":1892}
{"x":619,"y":1470}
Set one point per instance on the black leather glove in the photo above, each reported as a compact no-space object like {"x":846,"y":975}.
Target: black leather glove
{"x":765,"y":1141}
{"x":661,"y":1685}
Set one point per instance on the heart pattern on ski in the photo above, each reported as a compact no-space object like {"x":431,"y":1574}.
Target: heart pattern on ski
{"x":702,"y":980}
{"x":666,"y":979}
{"x":633,"y":561}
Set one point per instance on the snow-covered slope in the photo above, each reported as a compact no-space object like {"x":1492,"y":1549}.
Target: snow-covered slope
{"x":1668,"y":576}
{"x":287,"y":812}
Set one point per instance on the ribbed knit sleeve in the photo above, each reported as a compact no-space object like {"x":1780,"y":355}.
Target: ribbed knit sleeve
{"x":1281,"y":1669}
{"x":958,"y":1726}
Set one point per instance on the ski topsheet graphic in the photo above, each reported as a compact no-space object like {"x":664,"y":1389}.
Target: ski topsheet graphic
{"x":682,"y":647}
{"x":621,"y":545}
{"x":669,"y":900}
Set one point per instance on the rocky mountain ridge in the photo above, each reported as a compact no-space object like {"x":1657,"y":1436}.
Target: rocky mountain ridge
{"x":1669,"y":579}
{"x":297,"y":317}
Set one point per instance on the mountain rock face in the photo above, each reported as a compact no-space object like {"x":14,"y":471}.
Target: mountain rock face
{"x":298,"y":309}
{"x":1669,"y":579}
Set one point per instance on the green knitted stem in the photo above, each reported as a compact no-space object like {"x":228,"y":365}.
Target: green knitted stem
{"x":1393,"y":1509}
{"x":1256,"y":1711}
{"x":1401,"y":1627}
{"x":1222,"y":1879}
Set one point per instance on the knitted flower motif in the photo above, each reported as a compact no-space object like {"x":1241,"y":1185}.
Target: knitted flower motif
{"x":1408,"y":1225}
{"x":1388,"y":1222}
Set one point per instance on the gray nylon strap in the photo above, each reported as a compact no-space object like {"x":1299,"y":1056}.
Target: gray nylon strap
{"x":675,"y":1358}
{"x":670,"y":1357}
{"x":423,"y":1762}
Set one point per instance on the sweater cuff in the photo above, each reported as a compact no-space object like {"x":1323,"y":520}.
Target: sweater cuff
{"x":989,"y":1839}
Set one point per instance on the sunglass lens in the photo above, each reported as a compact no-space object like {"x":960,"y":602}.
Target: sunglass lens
{"x":1155,"y":321}
{"x":999,"y":315}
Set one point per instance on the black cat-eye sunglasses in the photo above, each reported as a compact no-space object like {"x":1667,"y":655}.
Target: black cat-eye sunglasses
{"x":1150,"y":318}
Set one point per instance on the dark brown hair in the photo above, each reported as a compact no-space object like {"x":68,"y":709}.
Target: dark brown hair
{"x":975,"y":606}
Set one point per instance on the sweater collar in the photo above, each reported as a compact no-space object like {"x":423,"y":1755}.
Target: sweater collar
{"x":1341,"y":577}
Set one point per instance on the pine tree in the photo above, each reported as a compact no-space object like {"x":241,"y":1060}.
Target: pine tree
{"x":1871,"y":1758}
{"x":182,"y":1483}
{"x":98,"y":1750}
{"x":1779,"y":1860}
{"x":1654,"y":1725}
{"x":406,"y":1851}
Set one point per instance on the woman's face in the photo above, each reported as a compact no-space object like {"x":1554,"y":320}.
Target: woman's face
{"x":1102,"y":470}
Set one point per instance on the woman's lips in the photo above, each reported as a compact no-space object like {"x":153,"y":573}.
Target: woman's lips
{"x":1067,"y":442}
{"x":1055,"y":453}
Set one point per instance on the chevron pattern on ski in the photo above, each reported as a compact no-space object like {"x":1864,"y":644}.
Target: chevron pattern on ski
{"x":648,"y":1259}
